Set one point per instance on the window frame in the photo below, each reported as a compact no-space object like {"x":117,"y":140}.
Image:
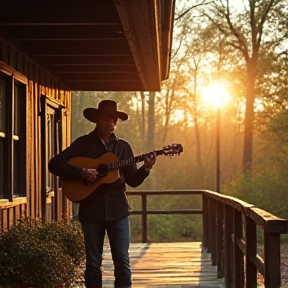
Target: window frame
{"x":49,"y":105}
{"x":10,"y":138}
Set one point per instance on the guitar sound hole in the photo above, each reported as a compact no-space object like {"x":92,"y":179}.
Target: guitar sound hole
{"x":103,"y":169}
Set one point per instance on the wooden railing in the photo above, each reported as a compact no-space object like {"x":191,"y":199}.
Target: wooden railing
{"x":229,"y":234}
{"x":10,"y":212}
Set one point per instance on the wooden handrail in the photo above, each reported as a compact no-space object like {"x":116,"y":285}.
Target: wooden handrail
{"x":6,"y":204}
{"x":145,"y":212}
{"x":229,"y":234}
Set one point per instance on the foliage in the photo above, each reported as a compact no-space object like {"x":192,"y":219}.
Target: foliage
{"x":267,"y":186}
{"x":39,"y":254}
{"x":168,"y":228}
{"x":173,"y":228}
{"x":66,"y":237}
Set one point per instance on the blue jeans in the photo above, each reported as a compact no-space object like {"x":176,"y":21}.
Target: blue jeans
{"x":119,"y":238}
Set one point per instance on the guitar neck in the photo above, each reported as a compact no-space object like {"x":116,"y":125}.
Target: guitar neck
{"x":132,"y":160}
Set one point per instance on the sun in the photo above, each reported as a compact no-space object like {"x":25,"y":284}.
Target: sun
{"x":216,"y":95}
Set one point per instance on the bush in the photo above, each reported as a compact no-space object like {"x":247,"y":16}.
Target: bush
{"x":34,"y":253}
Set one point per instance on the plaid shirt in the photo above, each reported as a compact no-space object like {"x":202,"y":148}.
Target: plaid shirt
{"x":107,"y":202}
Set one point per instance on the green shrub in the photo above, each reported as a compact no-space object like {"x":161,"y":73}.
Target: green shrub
{"x":34,"y":253}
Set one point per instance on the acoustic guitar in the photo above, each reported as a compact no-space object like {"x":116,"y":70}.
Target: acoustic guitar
{"x":108,"y":166}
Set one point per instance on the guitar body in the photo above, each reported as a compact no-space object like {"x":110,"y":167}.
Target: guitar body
{"x":78,"y":190}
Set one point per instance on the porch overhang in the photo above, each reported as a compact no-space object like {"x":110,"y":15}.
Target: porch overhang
{"x":103,"y":45}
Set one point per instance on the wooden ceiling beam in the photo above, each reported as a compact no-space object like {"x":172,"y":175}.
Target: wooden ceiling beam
{"x":95,"y":69}
{"x":57,"y":12}
{"x":87,"y":60}
{"x":118,"y":76}
{"x":93,"y":47}
{"x":106,"y":86}
{"x":71,"y":32}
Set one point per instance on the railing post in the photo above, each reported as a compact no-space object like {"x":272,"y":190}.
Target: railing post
{"x":220,"y":240}
{"x":251,"y":252}
{"x":144,"y":218}
{"x":228,"y":265}
{"x":212,"y":229}
{"x":272,"y":260}
{"x":205,"y":222}
{"x":238,"y":255}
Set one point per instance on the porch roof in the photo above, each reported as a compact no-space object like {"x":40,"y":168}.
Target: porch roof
{"x":103,"y":45}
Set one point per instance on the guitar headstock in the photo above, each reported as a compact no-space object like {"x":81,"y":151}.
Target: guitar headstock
{"x":172,"y":150}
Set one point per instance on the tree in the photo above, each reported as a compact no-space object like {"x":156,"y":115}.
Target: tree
{"x":245,"y":32}
{"x":247,"y":28}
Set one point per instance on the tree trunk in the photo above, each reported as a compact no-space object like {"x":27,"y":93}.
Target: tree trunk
{"x":151,"y":120}
{"x":197,"y":134}
{"x":143,"y":113}
{"x":249,"y":114}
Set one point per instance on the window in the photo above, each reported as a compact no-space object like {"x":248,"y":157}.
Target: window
{"x":2,"y":132}
{"x":19,"y":141}
{"x":51,"y":143}
{"x":51,"y":118}
{"x":12,"y":137}
{"x":51,"y":128}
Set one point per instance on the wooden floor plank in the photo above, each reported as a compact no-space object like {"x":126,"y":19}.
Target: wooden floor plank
{"x":160,"y":265}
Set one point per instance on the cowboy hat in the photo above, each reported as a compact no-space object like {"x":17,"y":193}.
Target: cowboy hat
{"x":105,"y":106}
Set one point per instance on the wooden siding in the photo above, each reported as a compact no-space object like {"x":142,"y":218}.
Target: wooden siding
{"x":39,"y":82}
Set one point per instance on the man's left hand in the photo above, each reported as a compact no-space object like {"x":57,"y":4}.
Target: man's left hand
{"x":150,"y":160}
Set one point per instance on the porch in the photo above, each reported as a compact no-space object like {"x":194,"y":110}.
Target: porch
{"x":228,"y":256}
{"x":174,"y":265}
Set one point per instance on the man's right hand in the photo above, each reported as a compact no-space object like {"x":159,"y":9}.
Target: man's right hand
{"x":90,"y":175}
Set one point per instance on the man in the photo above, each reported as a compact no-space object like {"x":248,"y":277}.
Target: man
{"x":106,"y":209}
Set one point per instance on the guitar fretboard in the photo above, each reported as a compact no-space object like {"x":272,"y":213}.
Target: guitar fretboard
{"x":129,"y":161}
